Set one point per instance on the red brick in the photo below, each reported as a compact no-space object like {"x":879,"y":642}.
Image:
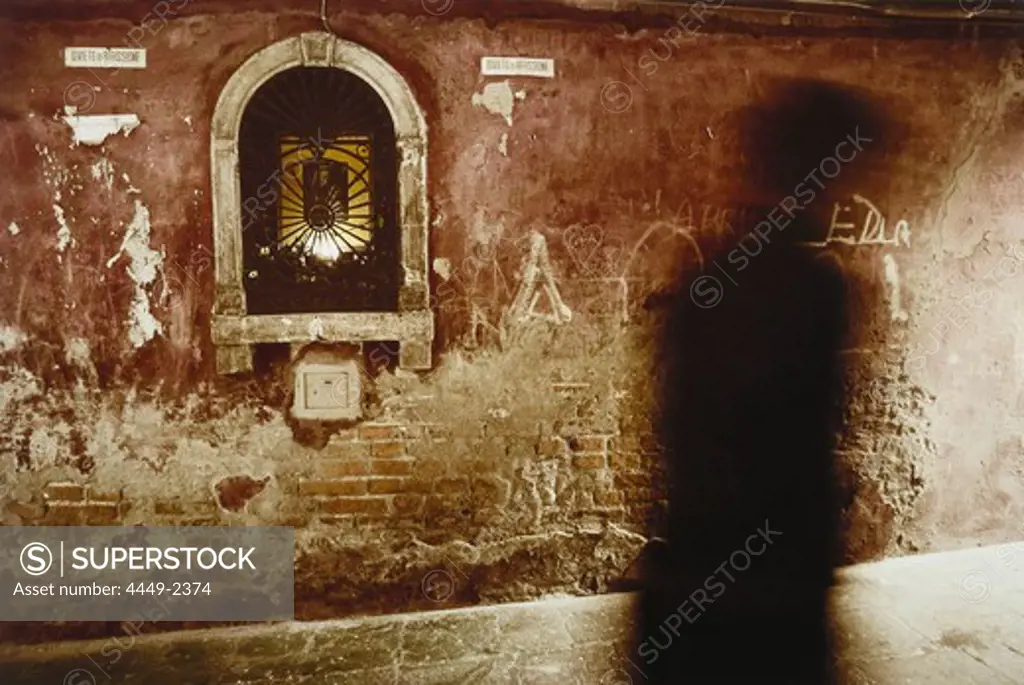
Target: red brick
{"x":332,"y":488}
{"x":177,"y":507}
{"x":551,"y":447}
{"x":408,"y":505}
{"x":632,"y":480}
{"x":28,"y":512}
{"x":168,"y":507}
{"x":608,"y":497}
{"x":588,"y":443}
{"x":293,"y":521}
{"x":339,"y":468}
{"x":95,"y":496}
{"x":64,"y":492}
{"x":451,"y":486}
{"x":385,"y":450}
{"x":347,"y":450}
{"x":431,"y":468}
{"x":82,"y":514}
{"x":588,"y":462}
{"x":198,"y":522}
{"x":624,"y":443}
{"x":380,"y":432}
{"x":392,"y":467}
{"x":356,"y":505}
{"x":624,"y":461}
{"x":649,"y":442}
{"x":386,"y":486}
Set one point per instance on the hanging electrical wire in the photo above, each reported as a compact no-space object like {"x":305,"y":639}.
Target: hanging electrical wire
{"x":323,"y":18}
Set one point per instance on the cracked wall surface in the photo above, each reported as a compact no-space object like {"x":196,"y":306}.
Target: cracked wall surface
{"x":525,"y":464}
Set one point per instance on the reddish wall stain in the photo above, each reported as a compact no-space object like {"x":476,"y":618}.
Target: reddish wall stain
{"x":629,"y":164}
{"x":234,"y":493}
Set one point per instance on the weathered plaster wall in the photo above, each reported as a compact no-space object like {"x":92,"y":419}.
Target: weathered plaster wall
{"x":525,"y":464}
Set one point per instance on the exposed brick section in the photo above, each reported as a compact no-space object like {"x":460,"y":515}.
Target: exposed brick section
{"x":588,"y":461}
{"x":386,"y":486}
{"x":96,"y":496}
{"x":64,"y":492}
{"x":380,"y":432}
{"x":372,"y":506}
{"x":608,"y":497}
{"x":339,"y":468}
{"x":27,"y":512}
{"x":392,"y":467}
{"x":551,"y":447}
{"x":408,"y":505}
{"x":345,"y":435}
{"x":625,"y":443}
{"x":624,"y":461}
{"x":588,"y":443}
{"x":84,"y":514}
{"x":176,"y":507}
{"x":649,"y":442}
{"x":347,"y":450}
{"x":632,"y":480}
{"x":429,"y":469}
{"x":385,"y":450}
{"x":332,"y":488}
{"x":451,"y":486}
{"x":202,"y":521}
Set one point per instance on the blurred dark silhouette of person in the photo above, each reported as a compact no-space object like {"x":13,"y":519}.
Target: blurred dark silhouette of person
{"x":750,"y":400}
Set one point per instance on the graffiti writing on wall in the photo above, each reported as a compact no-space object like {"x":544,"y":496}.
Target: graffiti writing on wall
{"x":537,"y":282}
{"x":862,"y":223}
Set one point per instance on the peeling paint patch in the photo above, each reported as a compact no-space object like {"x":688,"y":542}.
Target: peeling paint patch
{"x":143,"y":268}
{"x":503,"y":144}
{"x":93,"y":129}
{"x":11,"y":338}
{"x":443,"y":268}
{"x":13,"y":228}
{"x":103,"y":171}
{"x":19,"y":386}
{"x":499,"y":99}
{"x":54,"y":175}
{"x":64,"y":238}
{"x":76,"y":353}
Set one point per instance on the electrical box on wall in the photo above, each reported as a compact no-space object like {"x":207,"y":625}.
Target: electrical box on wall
{"x":327,"y":391}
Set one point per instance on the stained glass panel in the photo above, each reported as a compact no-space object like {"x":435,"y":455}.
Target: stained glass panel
{"x":318,"y":165}
{"x":326,"y":205}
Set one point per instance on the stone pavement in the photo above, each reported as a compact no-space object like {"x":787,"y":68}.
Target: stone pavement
{"x":954,"y":618}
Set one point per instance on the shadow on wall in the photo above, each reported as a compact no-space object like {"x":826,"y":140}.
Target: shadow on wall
{"x":750,"y":403}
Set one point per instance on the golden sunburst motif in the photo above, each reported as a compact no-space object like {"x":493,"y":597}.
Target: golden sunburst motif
{"x":326,"y":205}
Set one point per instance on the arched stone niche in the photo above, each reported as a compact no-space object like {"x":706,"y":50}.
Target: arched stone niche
{"x":234,"y":330}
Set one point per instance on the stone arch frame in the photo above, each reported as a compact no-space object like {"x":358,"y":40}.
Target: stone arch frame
{"x":233,"y":329}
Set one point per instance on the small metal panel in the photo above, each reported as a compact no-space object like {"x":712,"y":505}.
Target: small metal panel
{"x":327,"y":391}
